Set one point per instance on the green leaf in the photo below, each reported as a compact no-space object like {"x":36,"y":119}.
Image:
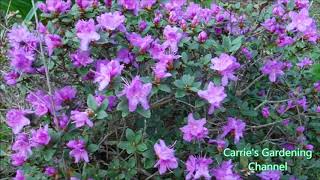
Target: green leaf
{"x":180,"y":93}
{"x":184,"y":57}
{"x":48,"y":154}
{"x":91,"y":102}
{"x":127,"y":146}
{"x":226,"y":43}
{"x":236,"y":44}
{"x":165,"y":88}
{"x":187,"y":79}
{"x":179,"y":84}
{"x":142,"y":147}
{"x":130,"y":135}
{"x":315,"y":70}
{"x":102,"y":114}
{"x":30,"y":14}
{"x":104,"y":105}
{"x":144,"y":113}
{"x":93,"y":148}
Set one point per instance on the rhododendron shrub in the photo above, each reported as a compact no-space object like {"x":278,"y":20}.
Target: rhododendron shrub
{"x":146,"y":89}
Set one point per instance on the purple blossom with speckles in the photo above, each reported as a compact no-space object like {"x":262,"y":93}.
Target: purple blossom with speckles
{"x":55,"y":6}
{"x":81,"y":58}
{"x":224,"y":172}
{"x":273,"y":68}
{"x":110,"y":21}
{"x":86,"y":32}
{"x":137,"y":92}
{"x":198,"y":167}
{"x":214,"y":95}
{"x":195,"y":129}
{"x":16,"y":120}
{"x":225,"y":65}
{"x":305,"y":62}
{"x":235,"y":126}
{"x":166,"y":159}
{"x":78,"y":151}
{"x":80,"y":119}
{"x":270,"y":174}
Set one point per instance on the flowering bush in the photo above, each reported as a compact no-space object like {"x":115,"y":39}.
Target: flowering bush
{"x":142,"y":89}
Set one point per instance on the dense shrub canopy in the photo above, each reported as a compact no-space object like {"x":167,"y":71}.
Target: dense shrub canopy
{"x":146,"y":89}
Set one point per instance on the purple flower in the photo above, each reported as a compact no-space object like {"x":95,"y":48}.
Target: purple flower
{"x":40,"y":137}
{"x":224,"y":172}
{"x":221,"y":144}
{"x":106,"y":72}
{"x":273,"y":68}
{"x":18,"y":159}
{"x":84,"y":4}
{"x":174,"y":4}
{"x":142,"y":43}
{"x":16,"y":120}
{"x":284,"y":40}
{"x":305,"y":62}
{"x":265,"y":112}
{"x":142,"y":25}
{"x":129,"y":4}
{"x":303,"y":103}
{"x":309,"y":147}
{"x":318,"y":109}
{"x":173,"y":37}
{"x":301,"y":3}
{"x":137,"y":92}
{"x":195,"y":129}
{"x":198,"y":167}
{"x":300,"y":21}
{"x":246,"y":53}
{"x":202,"y":37}
{"x":214,"y":95}
{"x":55,"y":6}
{"x":81,"y":58}
{"x":41,"y":102}
{"x":278,"y":10}
{"x":52,"y":41}
{"x":160,"y":71}
{"x":147,"y":4}
{"x":270,"y":24}
{"x":311,"y":33}
{"x":21,"y":60}
{"x":108,"y":3}
{"x":22,"y":144}
{"x":225,"y":65}
{"x":50,"y":171}
{"x":11,"y":78}
{"x":86,"y":32}
{"x":270,"y":174}
{"x":317,"y":86}
{"x":125,"y":56}
{"x":285,"y":122}
{"x":288,"y":146}
{"x":282,"y":109}
{"x":192,"y":10}
{"x":110,"y":21}
{"x":78,"y":150}
{"x":300,"y":129}
{"x":166,"y":159}
{"x":66,"y":93}
{"x":80,"y":119}
{"x":63,"y":121}
{"x":20,"y":38}
{"x":234,"y":126}
{"x":19,"y":175}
